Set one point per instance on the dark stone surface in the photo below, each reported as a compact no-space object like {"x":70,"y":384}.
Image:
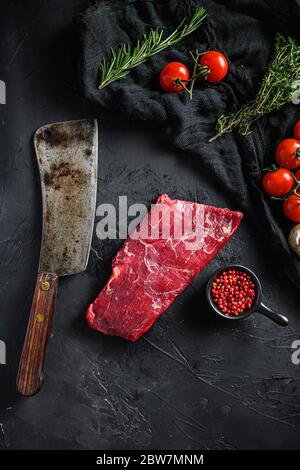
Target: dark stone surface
{"x":193,"y":381}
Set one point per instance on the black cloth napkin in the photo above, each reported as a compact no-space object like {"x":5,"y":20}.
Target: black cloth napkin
{"x":244,"y":31}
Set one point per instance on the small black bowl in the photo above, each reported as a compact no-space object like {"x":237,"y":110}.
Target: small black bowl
{"x":257,"y":306}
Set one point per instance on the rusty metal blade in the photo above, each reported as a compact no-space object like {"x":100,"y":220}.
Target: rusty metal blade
{"x":67,"y":155}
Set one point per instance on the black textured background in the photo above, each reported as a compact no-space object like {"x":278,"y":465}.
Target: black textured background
{"x":244,"y":31}
{"x":194,"y":381}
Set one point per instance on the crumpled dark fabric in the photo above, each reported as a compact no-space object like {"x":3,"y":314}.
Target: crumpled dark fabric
{"x":242,"y":29}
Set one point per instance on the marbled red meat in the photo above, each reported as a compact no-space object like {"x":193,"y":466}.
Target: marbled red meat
{"x":152,"y":269}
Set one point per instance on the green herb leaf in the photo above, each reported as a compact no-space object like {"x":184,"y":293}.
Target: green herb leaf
{"x":276,"y":88}
{"x":126,"y":57}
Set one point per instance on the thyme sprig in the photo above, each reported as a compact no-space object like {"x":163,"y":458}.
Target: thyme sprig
{"x":276,"y":88}
{"x":127,"y":56}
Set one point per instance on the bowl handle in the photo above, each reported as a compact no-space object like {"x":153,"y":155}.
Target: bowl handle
{"x":276,"y":317}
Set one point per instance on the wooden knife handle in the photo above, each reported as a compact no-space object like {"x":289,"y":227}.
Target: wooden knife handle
{"x":30,"y":374}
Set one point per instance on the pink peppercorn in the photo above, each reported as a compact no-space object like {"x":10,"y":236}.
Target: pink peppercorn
{"x":233,"y":292}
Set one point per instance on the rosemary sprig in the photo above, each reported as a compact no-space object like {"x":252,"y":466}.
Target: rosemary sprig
{"x":127,"y":56}
{"x":276,"y":88}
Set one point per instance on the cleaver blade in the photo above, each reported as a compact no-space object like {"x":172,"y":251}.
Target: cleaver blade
{"x":67,"y":156}
{"x":67,"y":159}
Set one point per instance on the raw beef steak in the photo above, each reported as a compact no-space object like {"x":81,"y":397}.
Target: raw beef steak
{"x":157,"y":262}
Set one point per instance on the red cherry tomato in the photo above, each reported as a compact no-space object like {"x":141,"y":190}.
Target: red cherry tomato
{"x":291,"y":208}
{"x":297,"y":130}
{"x":170,"y":73}
{"x":297,"y":175}
{"x":278,"y":183}
{"x":217,"y":63}
{"x":288,"y":153}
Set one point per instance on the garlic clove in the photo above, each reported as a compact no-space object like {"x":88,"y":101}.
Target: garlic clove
{"x":294,"y":239}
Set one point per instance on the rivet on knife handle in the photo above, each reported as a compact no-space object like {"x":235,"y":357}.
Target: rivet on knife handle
{"x":30,"y":375}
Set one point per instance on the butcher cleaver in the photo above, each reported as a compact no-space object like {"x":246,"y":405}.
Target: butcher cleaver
{"x":67,"y":155}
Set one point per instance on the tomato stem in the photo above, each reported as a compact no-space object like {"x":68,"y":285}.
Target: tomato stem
{"x":180,"y":82}
{"x":199,"y":71}
{"x":294,"y":191}
{"x":195,"y":59}
{"x":281,"y":198}
{"x":271,"y":168}
{"x":297,"y":181}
